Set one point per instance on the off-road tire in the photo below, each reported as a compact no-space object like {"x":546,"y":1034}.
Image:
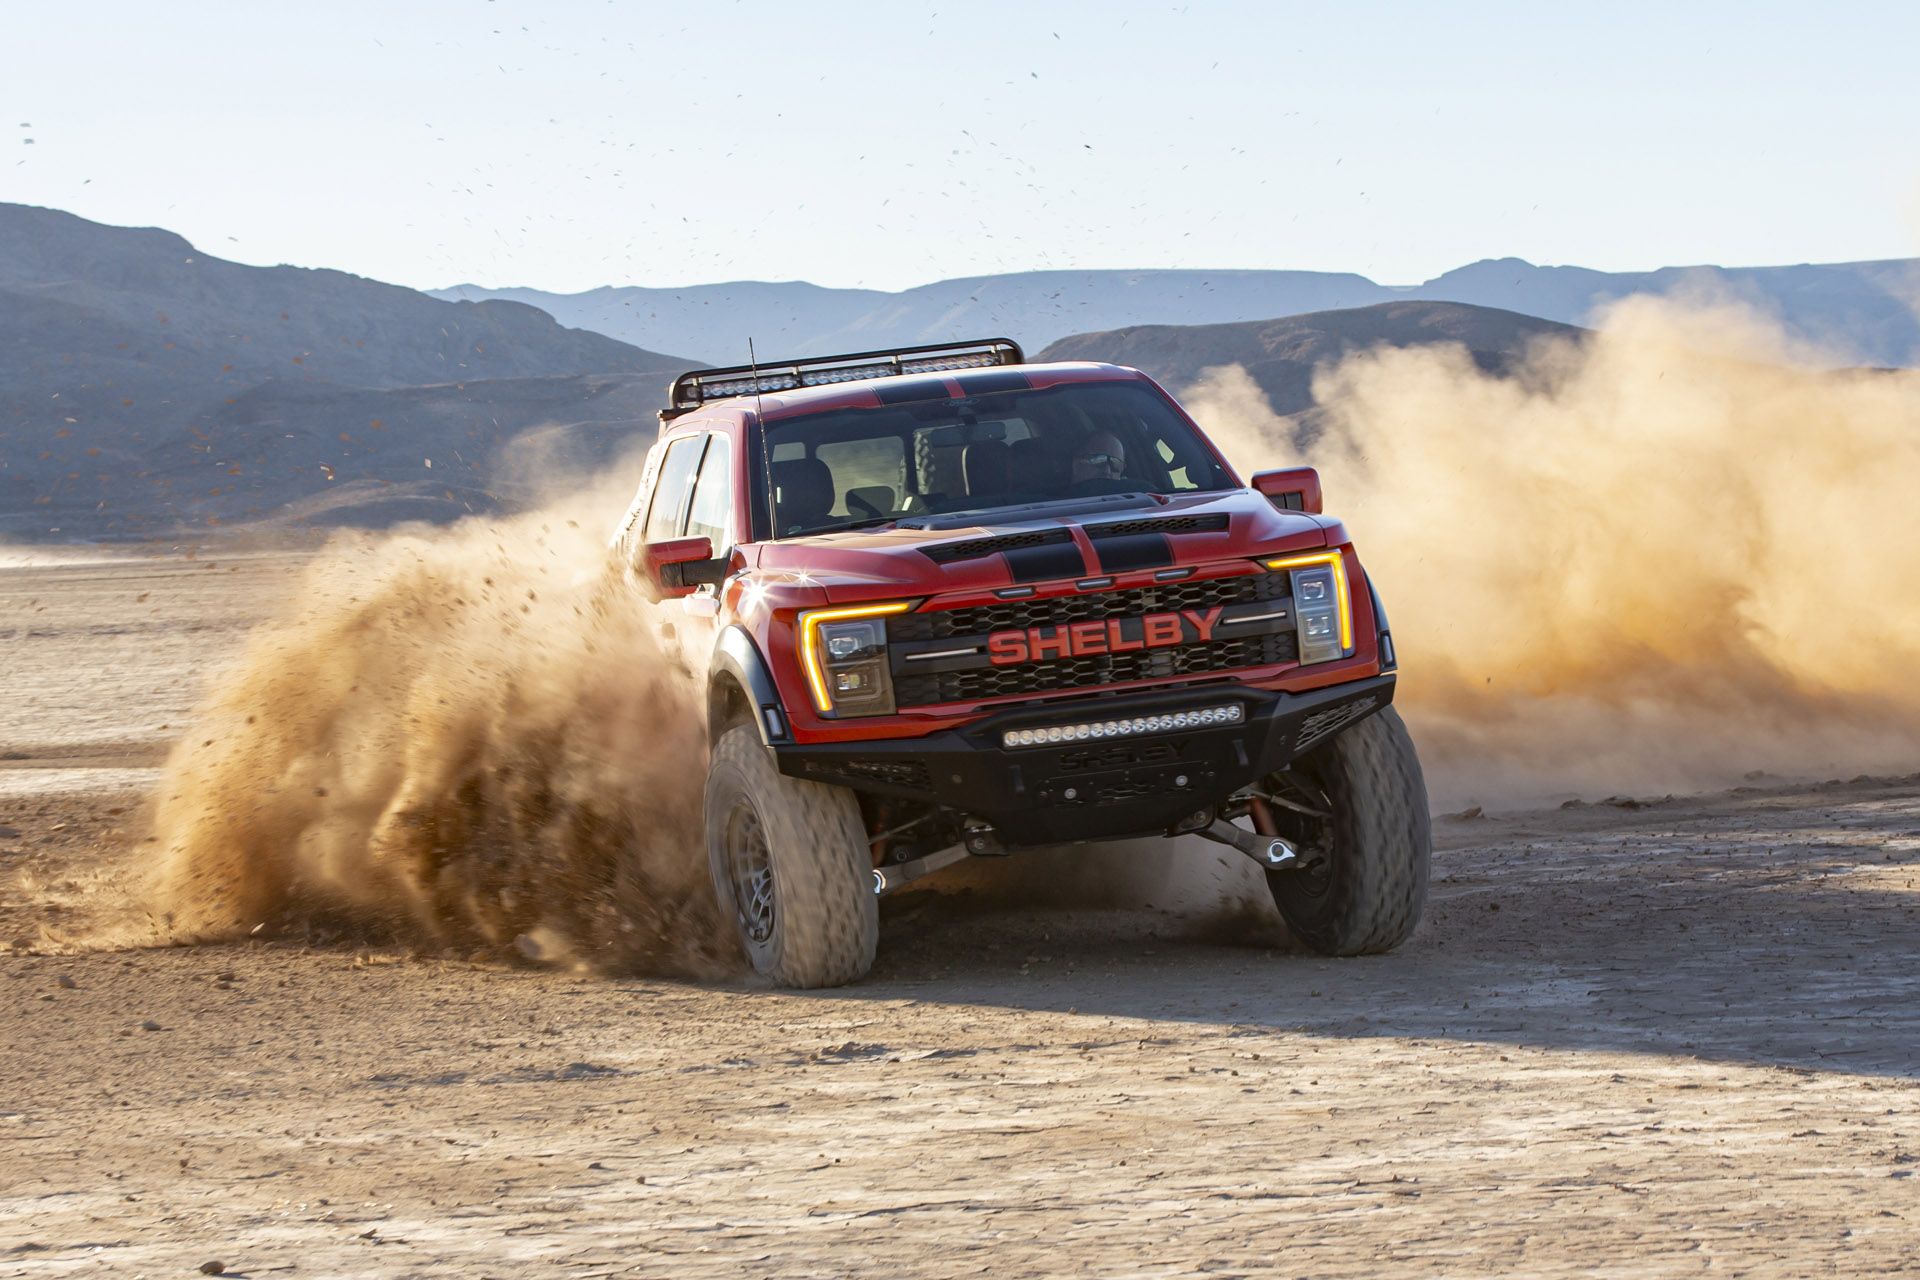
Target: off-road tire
{"x":1365,"y":879}
{"x":824,"y":917}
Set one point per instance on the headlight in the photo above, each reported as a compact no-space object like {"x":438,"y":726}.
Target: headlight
{"x":844,"y":653}
{"x":1322,"y":608}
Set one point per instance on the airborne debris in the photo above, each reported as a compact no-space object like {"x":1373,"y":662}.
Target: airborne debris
{"x":539,"y":761}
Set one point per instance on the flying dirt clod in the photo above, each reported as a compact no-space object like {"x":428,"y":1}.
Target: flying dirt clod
{"x":461,"y":736}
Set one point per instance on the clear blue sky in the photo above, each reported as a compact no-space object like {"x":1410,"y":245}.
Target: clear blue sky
{"x":564,"y":144}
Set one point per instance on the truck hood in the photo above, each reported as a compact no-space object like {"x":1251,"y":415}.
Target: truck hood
{"x":1026,"y":547}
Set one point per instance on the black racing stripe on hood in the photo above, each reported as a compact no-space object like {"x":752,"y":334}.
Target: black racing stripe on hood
{"x":980,"y":384}
{"x":1038,"y":564}
{"x":947,"y":552}
{"x":908,"y":390}
{"x":1134,"y":551}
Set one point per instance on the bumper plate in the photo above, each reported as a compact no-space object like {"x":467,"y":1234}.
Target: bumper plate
{"x":1095,"y":790}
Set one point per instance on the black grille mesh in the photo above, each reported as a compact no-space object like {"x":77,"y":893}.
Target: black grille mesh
{"x":911,"y":774}
{"x":1105,"y":668}
{"x":1160,"y":598}
{"x":921,"y":689}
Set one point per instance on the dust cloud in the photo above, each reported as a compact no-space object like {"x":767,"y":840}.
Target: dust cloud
{"x":469,"y":738}
{"x":1663,"y":557}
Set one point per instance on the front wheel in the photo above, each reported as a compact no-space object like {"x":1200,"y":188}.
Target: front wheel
{"x":1357,"y":808}
{"x":790,"y":867}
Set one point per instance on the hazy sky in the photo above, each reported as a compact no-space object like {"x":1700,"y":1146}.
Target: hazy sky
{"x":565,"y":144}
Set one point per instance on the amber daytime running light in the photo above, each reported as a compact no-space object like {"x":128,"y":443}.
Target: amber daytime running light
{"x":844,"y":653}
{"x":1321,"y":604}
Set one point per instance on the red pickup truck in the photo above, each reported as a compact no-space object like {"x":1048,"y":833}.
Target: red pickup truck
{"x":956,"y":605}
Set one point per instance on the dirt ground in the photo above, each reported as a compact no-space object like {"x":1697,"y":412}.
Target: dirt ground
{"x":1675,"y":1039}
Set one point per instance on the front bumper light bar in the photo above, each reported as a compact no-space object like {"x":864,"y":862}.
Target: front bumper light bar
{"x":1124,"y":727}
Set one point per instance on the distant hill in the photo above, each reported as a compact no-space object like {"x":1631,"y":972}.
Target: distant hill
{"x":1281,"y":355}
{"x":147,"y":388}
{"x":714,"y":321}
{"x":1863,"y":313}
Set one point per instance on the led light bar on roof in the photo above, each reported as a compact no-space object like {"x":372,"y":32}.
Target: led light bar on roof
{"x":747,"y":386}
{"x":1124,"y":727}
{"x":980,"y":361}
{"x":849,"y":373}
{"x":691,"y":390}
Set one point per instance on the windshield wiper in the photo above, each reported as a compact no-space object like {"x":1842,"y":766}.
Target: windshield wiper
{"x":1014,"y":513}
{"x":850,"y":524}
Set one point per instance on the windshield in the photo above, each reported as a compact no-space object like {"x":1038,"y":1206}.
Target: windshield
{"x":940,"y":457}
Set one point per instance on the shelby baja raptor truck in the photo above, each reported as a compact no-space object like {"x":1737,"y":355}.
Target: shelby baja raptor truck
{"x":951,"y":604}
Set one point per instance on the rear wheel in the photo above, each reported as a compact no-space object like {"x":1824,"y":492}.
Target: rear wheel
{"x":1357,"y":809}
{"x":790,"y":867}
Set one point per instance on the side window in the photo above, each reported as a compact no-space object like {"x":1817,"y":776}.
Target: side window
{"x":670,"y":492}
{"x":711,"y":512}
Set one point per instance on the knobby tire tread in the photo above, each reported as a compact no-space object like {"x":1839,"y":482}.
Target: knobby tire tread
{"x":1382,"y":839}
{"x":827,"y":918}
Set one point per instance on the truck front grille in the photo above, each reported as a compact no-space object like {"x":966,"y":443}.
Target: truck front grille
{"x":1161,"y":598}
{"x":976,"y":679}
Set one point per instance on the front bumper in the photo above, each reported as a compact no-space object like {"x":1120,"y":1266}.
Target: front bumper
{"x":1095,"y":790}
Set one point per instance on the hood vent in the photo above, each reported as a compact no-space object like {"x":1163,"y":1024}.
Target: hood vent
{"x":948,"y":552}
{"x":1211,"y":522}
{"x":973,"y":548}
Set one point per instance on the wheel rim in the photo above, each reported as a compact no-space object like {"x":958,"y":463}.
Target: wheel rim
{"x":750,"y":869}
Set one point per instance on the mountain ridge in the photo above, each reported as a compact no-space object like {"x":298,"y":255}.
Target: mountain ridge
{"x":148,"y":388}
{"x":1282,"y":355}
{"x":1860,"y":313}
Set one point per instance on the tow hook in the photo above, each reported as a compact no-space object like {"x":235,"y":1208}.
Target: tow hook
{"x":887,"y":879}
{"x":1270,"y":852}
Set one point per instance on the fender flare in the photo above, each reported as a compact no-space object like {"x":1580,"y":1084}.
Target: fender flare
{"x":1389,"y":661}
{"x":736,"y":661}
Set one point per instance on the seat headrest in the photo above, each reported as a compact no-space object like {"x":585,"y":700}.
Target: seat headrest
{"x":985,"y":465}
{"x":802,"y":493}
{"x":1037,"y":462}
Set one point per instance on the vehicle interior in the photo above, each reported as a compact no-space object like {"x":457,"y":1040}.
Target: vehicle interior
{"x":849,"y":467}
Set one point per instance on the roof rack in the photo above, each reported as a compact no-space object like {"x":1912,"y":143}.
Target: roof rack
{"x":691,"y":390}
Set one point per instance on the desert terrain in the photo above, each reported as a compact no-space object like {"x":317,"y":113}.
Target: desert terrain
{"x":1653,"y":1037}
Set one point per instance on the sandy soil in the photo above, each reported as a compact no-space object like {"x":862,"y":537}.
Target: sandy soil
{"x":1676,"y":1039}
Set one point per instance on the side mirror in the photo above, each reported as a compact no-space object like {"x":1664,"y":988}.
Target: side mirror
{"x":1295,"y":489}
{"x":680,"y":565}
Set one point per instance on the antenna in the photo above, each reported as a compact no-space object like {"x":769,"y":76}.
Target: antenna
{"x":766,"y":450}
